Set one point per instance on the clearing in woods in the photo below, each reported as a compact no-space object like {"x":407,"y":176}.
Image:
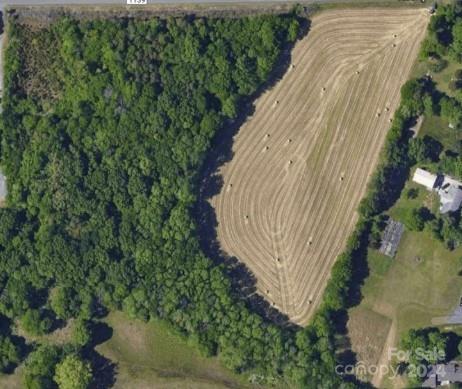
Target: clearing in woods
{"x":302,"y":161}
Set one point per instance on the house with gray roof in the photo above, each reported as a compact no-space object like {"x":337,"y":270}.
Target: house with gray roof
{"x":443,"y":375}
{"x":448,"y":189}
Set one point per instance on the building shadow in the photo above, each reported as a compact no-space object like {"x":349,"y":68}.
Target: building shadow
{"x":210,"y":183}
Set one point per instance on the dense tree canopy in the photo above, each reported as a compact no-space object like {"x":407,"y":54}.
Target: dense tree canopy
{"x":39,"y":367}
{"x":10,"y":353}
{"x":425,"y":347}
{"x":73,"y":373}
{"x":105,"y":126}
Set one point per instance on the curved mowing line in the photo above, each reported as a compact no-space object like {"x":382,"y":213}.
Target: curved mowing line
{"x":287,"y":199}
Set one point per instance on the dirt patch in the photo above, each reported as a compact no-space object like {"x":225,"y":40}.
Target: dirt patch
{"x":385,"y":357}
{"x":302,"y":161}
{"x":369,"y":332}
{"x":59,"y":336}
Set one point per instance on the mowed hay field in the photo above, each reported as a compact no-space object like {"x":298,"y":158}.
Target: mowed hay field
{"x":301,"y":163}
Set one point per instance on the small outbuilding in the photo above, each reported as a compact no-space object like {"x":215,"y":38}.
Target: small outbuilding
{"x":425,"y":178}
{"x":391,"y":238}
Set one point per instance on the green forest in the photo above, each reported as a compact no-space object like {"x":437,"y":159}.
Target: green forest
{"x":105,"y":127}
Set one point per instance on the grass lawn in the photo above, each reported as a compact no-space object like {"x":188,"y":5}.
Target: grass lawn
{"x":438,"y":128}
{"x":404,"y":204}
{"x":422,"y":282}
{"x":378,"y":263}
{"x":150,"y":355}
{"x":443,"y":78}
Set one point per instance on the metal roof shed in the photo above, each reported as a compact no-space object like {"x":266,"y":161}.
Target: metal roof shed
{"x":424,"y":178}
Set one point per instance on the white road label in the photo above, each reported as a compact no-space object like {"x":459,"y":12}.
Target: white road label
{"x":137,"y":2}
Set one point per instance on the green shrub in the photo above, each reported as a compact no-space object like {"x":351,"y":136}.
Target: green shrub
{"x":412,"y":193}
{"x":436,"y":64}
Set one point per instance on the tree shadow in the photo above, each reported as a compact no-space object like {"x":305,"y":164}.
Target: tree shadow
{"x":23,"y":350}
{"x":360,"y":268}
{"x":452,"y":351}
{"x":56,"y":322}
{"x":210,"y":183}
{"x":104,"y":370}
{"x":100,"y":333}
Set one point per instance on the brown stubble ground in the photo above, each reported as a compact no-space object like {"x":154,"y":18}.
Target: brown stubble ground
{"x":331,"y":132}
{"x":371,"y":336}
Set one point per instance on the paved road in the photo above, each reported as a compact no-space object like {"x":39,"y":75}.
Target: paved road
{"x":123,"y":2}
